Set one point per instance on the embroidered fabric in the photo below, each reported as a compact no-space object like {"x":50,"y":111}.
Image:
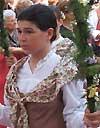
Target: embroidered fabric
{"x":45,"y":92}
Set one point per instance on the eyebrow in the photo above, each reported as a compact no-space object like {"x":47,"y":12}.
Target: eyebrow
{"x":26,"y":29}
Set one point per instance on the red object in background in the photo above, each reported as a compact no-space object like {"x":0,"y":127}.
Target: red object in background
{"x":19,"y":56}
{"x":3,"y":73}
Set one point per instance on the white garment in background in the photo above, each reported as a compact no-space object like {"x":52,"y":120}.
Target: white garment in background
{"x":93,"y":21}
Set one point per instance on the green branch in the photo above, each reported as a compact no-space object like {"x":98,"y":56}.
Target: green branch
{"x":3,"y":34}
{"x":84,"y":51}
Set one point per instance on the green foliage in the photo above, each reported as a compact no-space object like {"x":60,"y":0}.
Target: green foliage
{"x":81,"y":32}
{"x":84,"y":51}
{"x":93,"y":69}
{"x":3,"y":34}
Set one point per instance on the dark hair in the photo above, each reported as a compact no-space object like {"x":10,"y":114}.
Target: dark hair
{"x":56,"y":11}
{"x":42,"y":16}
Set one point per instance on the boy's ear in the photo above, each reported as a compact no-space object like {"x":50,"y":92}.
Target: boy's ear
{"x":50,"y":33}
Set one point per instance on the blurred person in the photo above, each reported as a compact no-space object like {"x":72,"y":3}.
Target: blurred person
{"x":22,"y":4}
{"x":53,"y":2}
{"x":9,"y":4}
{"x":10,"y":24}
{"x":45,"y":2}
{"x":94,"y":25}
{"x":66,"y":28}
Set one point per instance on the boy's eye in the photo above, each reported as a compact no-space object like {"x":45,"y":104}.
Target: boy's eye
{"x":26,"y":31}
{"x":19,"y":31}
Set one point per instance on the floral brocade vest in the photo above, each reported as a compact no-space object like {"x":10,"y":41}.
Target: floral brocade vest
{"x":47,"y":92}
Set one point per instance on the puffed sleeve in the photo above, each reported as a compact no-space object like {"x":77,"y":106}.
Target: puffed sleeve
{"x":5,"y":112}
{"x":74,"y":105}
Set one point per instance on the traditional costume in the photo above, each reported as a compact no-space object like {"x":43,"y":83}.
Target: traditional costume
{"x":46,"y":97}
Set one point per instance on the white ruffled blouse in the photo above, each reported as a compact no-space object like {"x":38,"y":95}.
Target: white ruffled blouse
{"x":27,"y":81}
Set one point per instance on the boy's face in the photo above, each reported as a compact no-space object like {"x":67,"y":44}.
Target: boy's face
{"x":31,"y":38}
